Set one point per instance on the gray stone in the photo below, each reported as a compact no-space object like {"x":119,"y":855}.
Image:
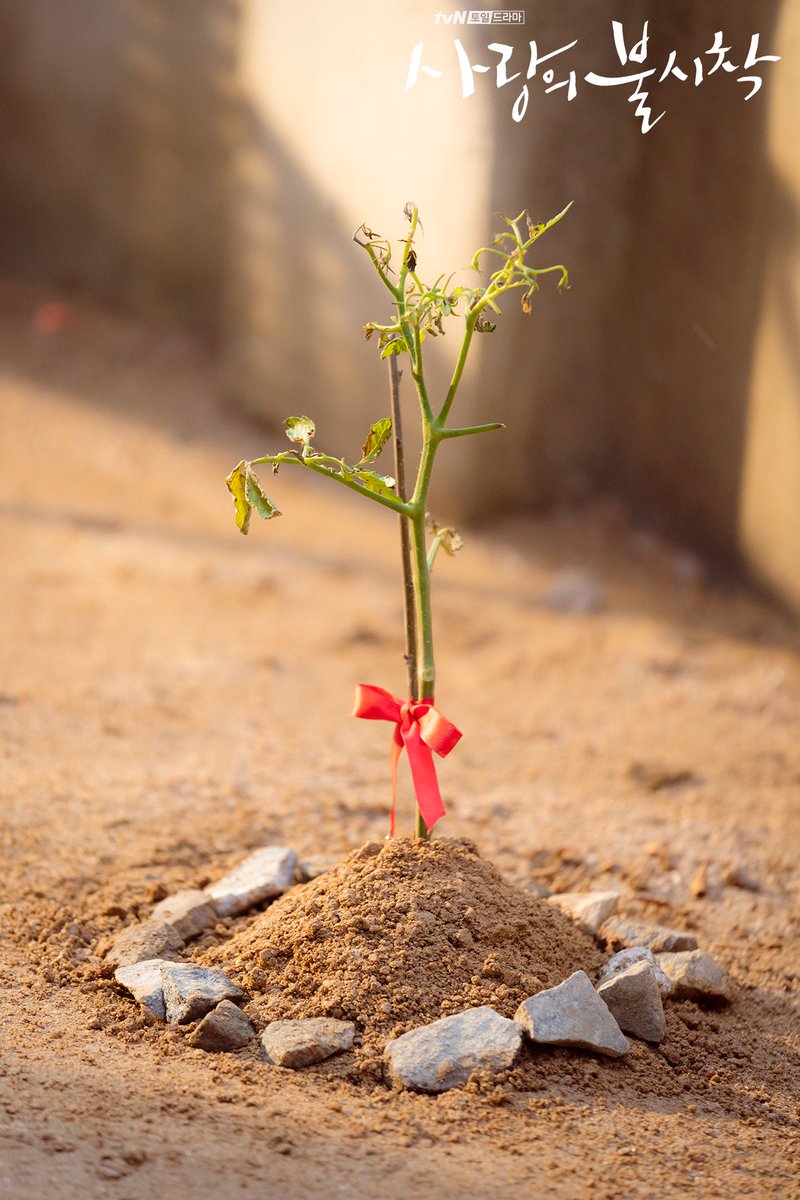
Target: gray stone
{"x":150,"y":939}
{"x":225,"y":1028}
{"x":588,"y":909}
{"x":189,"y":913}
{"x":695,"y":975}
{"x":316,"y":865}
{"x":302,"y":1043}
{"x":540,"y":890}
{"x":572,"y":1014}
{"x":575,"y":591}
{"x":143,"y":980}
{"x":444,"y":1054}
{"x":618,"y":933}
{"x":626,"y":958}
{"x":190,"y":991}
{"x":267,"y":873}
{"x":634,"y":1001}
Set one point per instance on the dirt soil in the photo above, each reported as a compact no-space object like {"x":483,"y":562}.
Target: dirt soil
{"x":173,"y":696}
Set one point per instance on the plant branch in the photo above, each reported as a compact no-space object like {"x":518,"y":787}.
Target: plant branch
{"x":396,"y":505}
{"x":458,"y":370}
{"x":465,"y":430}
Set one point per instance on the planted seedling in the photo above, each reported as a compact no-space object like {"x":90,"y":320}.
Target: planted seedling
{"x":419,"y":311}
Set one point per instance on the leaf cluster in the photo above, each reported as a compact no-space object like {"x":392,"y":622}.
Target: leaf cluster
{"x":422,"y":308}
{"x":248,"y":493}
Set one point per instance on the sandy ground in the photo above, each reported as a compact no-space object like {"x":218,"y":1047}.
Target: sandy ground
{"x":173,"y":695}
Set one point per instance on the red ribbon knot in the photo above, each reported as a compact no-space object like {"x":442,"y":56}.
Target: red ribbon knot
{"x":421,"y":729}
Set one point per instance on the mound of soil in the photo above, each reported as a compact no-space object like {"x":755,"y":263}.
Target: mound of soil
{"x":399,"y":934}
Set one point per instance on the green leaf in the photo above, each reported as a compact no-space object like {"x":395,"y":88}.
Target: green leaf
{"x":378,"y":436}
{"x":300,"y":429}
{"x":396,"y":346}
{"x":382,"y":485}
{"x":257,"y":498}
{"x":237,"y":486}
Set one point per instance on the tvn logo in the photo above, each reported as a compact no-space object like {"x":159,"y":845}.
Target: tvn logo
{"x":481,"y":16}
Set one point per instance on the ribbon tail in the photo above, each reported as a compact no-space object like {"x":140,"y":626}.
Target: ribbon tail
{"x":397,"y":750}
{"x":423,"y":774}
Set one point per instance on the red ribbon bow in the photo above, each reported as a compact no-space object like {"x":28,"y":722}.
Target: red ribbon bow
{"x":421,"y":728}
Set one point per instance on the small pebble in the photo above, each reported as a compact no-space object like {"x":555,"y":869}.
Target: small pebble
{"x":143,"y":980}
{"x":302,"y":1043}
{"x":148,"y":940}
{"x":224,"y":1028}
{"x":443,"y":1055}
{"x":589,"y":909}
{"x":190,"y":991}
{"x":572,"y":1014}
{"x":189,"y":912}
{"x":263,"y":875}
{"x":696,"y":975}
{"x":627,"y":958}
{"x":634,"y":1000}
{"x":619,"y":933}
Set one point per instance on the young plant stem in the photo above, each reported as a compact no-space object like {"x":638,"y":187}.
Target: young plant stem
{"x":405,"y":539}
{"x":426,"y":669}
{"x":420,"y":828}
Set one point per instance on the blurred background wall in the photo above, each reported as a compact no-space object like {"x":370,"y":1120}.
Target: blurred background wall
{"x":205,"y":162}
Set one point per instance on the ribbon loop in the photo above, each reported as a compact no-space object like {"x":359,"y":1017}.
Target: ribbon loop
{"x":420,"y":728}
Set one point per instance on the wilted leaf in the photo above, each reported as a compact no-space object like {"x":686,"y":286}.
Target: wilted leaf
{"x":378,"y":436}
{"x":237,"y":486}
{"x":258,"y":499}
{"x":382,"y":485}
{"x":300,"y":429}
{"x":450,"y":539}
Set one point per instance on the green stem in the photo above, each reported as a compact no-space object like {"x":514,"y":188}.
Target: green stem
{"x":426,"y":666}
{"x":434,"y":549}
{"x":414,"y":343}
{"x":461,"y":361}
{"x":465,"y":430}
{"x":405,"y":537}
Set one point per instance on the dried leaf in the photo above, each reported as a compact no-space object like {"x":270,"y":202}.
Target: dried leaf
{"x":237,"y":486}
{"x":378,"y":436}
{"x":300,"y":429}
{"x":258,"y":499}
{"x":450,"y":539}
